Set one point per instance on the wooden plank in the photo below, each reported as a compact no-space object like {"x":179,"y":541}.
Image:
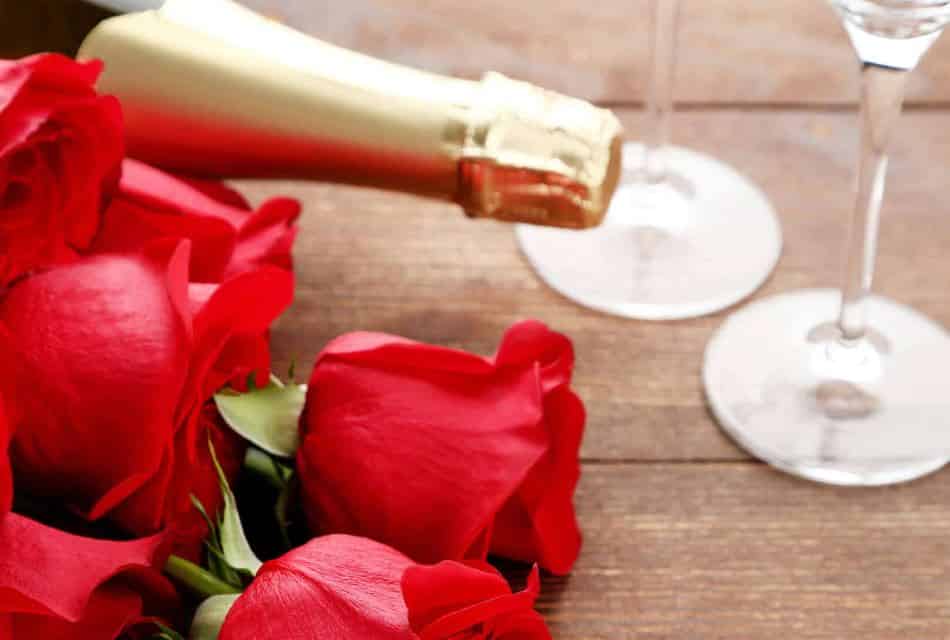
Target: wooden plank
{"x":731,"y":51}
{"x":372,"y":260}
{"x":741,"y":552}
{"x":45,"y":25}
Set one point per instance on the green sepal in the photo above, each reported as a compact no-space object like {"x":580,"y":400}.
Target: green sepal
{"x":198,"y":580}
{"x":217,"y":564}
{"x":267,"y":417}
{"x":235,"y":548}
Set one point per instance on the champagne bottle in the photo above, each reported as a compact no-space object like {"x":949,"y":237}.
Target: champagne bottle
{"x":210,"y":87}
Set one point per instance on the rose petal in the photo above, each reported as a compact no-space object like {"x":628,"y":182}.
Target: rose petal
{"x":450,"y":598}
{"x":420,"y":461}
{"x":6,"y":478}
{"x":101,"y":348}
{"x":110,"y":609}
{"x":61,"y":147}
{"x":261,"y":237}
{"x":198,"y":478}
{"x":127,"y":226}
{"x":266,"y":237}
{"x":443,"y":454}
{"x":47,"y":572}
{"x":51,"y":77}
{"x":539,"y":524}
{"x":230,"y":325}
{"x":334,"y":587}
{"x":218,"y":191}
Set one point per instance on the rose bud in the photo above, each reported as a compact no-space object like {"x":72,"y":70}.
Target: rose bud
{"x":61,"y":148}
{"x":228,"y":237}
{"x":332,"y":588}
{"x":442,"y":454}
{"x":452,"y":600}
{"x":60,"y":586}
{"x":116,"y":359}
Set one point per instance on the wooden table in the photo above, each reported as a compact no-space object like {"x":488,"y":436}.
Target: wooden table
{"x":686,"y":536}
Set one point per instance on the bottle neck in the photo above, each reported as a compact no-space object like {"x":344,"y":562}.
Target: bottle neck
{"x":214,"y":88}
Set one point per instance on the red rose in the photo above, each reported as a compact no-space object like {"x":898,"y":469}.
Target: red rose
{"x":116,"y":357}
{"x":61,"y":146}
{"x":228,"y":238}
{"x":454,"y":601}
{"x":339,"y":586}
{"x":443,"y":454}
{"x":58,"y":586}
{"x":332,"y":588}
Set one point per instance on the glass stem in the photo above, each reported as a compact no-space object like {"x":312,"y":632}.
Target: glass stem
{"x":660,"y":93}
{"x":882,"y":95}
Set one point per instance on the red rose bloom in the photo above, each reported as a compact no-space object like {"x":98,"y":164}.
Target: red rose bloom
{"x":332,"y":588}
{"x":228,"y":238}
{"x":454,"y":601}
{"x":116,"y":357}
{"x":339,"y":587}
{"x":442,"y":454}
{"x":58,"y":586}
{"x":61,"y":147}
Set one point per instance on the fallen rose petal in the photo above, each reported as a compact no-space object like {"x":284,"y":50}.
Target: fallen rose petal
{"x":332,"y":588}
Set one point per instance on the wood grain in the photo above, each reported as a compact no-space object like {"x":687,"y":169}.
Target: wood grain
{"x":739,"y":552}
{"x":731,"y":51}
{"x":685,"y":536}
{"x":31,"y":26}
{"x":372,"y":260}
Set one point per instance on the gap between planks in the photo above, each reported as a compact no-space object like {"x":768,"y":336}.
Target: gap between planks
{"x":697,"y":462}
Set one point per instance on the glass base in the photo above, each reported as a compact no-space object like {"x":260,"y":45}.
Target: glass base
{"x":697,"y":243}
{"x":787,"y":389}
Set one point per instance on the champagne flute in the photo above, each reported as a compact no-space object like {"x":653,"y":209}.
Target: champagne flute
{"x":685,"y":234}
{"x":846,"y":388}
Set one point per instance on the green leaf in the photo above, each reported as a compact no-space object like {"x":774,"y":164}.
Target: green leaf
{"x":267,"y":417}
{"x":210,"y":617}
{"x":234,"y":545}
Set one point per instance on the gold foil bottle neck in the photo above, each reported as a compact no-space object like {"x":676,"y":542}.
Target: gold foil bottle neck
{"x":536,"y":156}
{"x":212,"y":88}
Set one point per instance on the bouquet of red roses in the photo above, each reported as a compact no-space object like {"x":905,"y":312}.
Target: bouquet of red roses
{"x":149,"y":459}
